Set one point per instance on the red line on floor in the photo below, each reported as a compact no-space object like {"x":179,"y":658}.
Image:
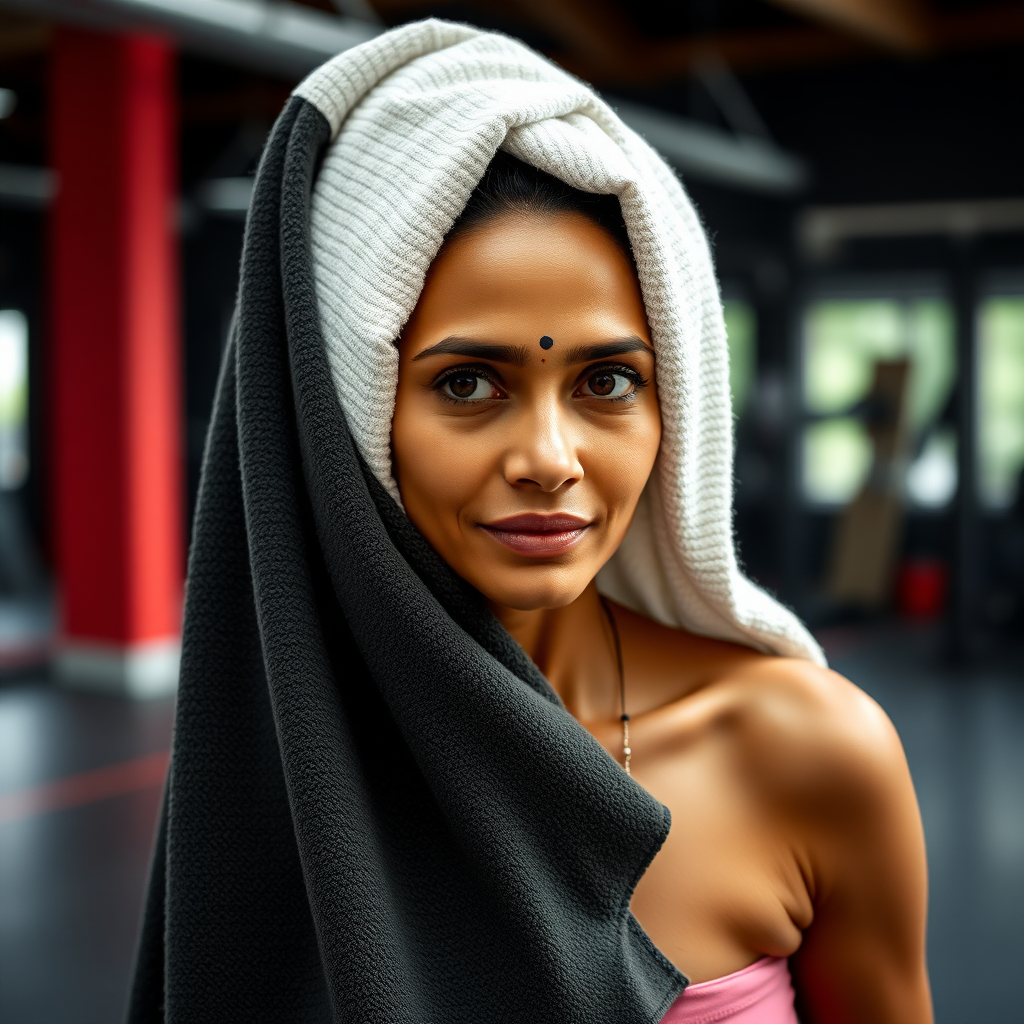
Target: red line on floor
{"x":86,"y":788}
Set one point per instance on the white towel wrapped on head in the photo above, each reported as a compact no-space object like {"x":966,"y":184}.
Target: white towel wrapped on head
{"x":416,"y":116}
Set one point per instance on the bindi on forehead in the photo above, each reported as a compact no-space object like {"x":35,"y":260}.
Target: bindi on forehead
{"x":546,"y":342}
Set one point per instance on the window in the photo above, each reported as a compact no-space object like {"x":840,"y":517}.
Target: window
{"x":1000,"y":398}
{"x":13,"y":398}
{"x":741,"y":325}
{"x":842,"y":340}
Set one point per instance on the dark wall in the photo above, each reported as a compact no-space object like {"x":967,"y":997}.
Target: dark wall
{"x":211,"y":250}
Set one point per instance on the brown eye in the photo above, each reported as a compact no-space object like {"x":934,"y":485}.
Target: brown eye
{"x":463,"y":387}
{"x":611,"y":385}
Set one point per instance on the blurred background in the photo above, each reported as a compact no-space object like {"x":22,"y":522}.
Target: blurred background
{"x":859,"y":166}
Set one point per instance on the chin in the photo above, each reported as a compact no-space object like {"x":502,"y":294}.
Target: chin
{"x":547,"y":588}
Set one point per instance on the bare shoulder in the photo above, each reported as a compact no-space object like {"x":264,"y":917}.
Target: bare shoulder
{"x":809,"y":731}
{"x":810,"y":709}
{"x":825,"y":763}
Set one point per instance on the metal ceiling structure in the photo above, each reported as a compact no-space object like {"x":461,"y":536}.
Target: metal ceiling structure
{"x":292,"y":39}
{"x":628,"y":50}
{"x":287,"y":38}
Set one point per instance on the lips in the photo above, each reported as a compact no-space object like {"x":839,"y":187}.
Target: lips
{"x":537,"y":534}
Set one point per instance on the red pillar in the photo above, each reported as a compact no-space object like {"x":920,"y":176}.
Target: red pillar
{"x":115,"y":357}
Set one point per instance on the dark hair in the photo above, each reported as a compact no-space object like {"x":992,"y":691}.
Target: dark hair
{"x":511,"y":186}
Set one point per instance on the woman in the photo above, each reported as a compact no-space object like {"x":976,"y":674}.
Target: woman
{"x":463,"y":533}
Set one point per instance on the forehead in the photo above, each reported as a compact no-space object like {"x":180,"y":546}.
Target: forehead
{"x":525,"y":276}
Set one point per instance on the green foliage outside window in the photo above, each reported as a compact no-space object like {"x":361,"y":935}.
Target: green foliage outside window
{"x":13,"y":398}
{"x":1001,"y":398}
{"x":13,"y":368}
{"x":843,"y":339}
{"x":741,"y":325}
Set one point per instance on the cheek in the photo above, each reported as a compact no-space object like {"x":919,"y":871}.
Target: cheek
{"x":621,"y":465}
{"x":625,"y":452}
{"x":438,"y":467}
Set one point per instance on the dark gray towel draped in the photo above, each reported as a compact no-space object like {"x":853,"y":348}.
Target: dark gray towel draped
{"x":377,"y":809}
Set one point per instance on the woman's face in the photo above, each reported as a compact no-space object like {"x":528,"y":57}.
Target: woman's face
{"x":526,"y":420}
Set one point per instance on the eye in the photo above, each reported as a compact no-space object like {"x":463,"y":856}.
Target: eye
{"x":612,"y":384}
{"x":467,"y":386}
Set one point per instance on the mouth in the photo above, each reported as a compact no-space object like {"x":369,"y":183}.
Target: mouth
{"x":539,"y":535}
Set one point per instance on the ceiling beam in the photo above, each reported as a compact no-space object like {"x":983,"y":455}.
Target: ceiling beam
{"x":596,"y":40}
{"x":652,"y":62}
{"x":899,"y":25}
{"x":820,"y":230}
{"x":281,"y":38}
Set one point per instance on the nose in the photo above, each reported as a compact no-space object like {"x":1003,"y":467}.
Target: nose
{"x":544,"y":452}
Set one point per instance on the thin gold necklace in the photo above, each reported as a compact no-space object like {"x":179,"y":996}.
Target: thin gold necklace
{"x":626,"y":752}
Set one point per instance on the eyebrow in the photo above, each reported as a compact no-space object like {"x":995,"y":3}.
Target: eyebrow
{"x":518,"y":355}
{"x":607,"y":349}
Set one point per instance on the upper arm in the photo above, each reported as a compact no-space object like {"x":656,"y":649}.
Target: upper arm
{"x":858,"y":833}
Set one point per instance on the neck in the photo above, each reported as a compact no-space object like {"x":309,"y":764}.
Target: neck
{"x":573,"y":647}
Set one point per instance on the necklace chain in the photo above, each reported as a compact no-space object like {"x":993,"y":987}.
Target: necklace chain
{"x":624,"y":718}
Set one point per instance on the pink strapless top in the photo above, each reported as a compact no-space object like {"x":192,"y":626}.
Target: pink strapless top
{"x":759,"y":994}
